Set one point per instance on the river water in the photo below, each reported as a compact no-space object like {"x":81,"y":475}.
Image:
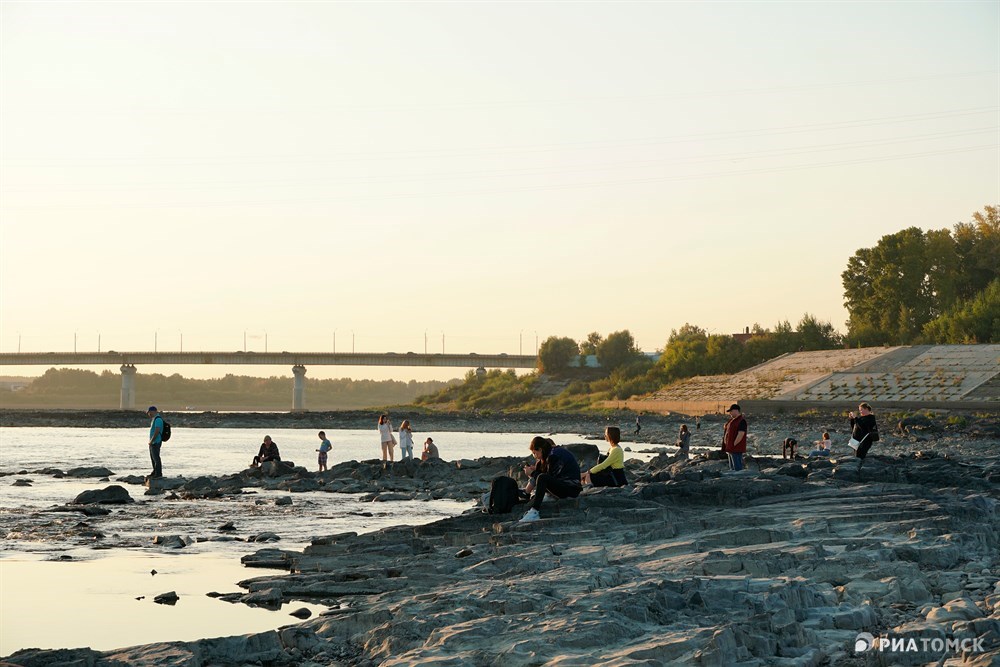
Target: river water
{"x":58,"y":570}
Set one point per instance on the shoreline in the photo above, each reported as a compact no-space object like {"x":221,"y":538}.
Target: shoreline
{"x":784,"y":564}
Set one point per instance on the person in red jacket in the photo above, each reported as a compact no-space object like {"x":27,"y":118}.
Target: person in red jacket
{"x":734,"y":437}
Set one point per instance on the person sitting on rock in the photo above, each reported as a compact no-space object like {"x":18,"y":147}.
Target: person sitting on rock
{"x":788,"y":448}
{"x":268,"y":452}
{"x":822,"y":446}
{"x":554,"y":471}
{"x":610,"y":469}
{"x":430,"y":450}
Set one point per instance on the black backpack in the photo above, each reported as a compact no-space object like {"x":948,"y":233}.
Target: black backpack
{"x":165,"y":433}
{"x":503,"y":495}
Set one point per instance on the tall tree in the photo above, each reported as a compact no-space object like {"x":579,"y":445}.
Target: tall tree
{"x":617,"y":350}
{"x":555,"y":354}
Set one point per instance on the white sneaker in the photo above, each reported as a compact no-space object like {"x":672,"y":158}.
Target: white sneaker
{"x":530,"y":515}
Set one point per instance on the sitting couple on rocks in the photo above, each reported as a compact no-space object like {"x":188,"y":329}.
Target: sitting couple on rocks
{"x":556,"y":471}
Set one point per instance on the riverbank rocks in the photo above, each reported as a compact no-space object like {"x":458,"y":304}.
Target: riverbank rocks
{"x":89,"y":472}
{"x":785,"y":564}
{"x":111,"y":495}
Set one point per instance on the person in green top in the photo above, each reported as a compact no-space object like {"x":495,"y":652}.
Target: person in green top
{"x":610,"y":469}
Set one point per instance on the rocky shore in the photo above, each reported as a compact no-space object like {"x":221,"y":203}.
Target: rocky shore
{"x":788,"y":563}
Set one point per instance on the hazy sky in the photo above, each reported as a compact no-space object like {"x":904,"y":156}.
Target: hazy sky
{"x":473,"y":169}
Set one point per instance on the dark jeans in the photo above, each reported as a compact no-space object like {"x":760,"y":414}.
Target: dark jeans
{"x":561,"y":488}
{"x":736,"y":460}
{"x":154,"y":456}
{"x":608,"y":477}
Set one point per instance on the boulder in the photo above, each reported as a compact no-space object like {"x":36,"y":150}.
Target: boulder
{"x":170,"y":598}
{"x":89,"y":472}
{"x":111,"y":495}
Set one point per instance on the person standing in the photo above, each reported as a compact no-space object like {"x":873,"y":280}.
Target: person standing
{"x":405,"y":441}
{"x":864,"y":430}
{"x":734,"y":437}
{"x":324,"y":449}
{"x":638,"y":423}
{"x":155,"y":441}
{"x":684,"y":442}
{"x":386,"y":437}
{"x":697,"y":423}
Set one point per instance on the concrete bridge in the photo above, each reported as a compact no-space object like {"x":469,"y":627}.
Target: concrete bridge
{"x":297,"y":360}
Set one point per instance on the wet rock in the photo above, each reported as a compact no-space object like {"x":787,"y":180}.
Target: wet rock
{"x":89,"y":472}
{"x":267,"y":597}
{"x":21,"y":482}
{"x":264,"y":537}
{"x":227,"y":526}
{"x":283,"y":500}
{"x":301,"y":612}
{"x":172,"y":541}
{"x":169,"y":598}
{"x":111,"y":495}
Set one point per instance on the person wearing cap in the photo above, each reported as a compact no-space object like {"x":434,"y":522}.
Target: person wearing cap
{"x":155,"y":441}
{"x":734,"y":438}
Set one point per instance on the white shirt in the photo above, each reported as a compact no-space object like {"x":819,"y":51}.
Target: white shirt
{"x":385,"y":432}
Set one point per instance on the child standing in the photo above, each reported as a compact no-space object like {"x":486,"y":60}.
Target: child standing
{"x":324,"y":447}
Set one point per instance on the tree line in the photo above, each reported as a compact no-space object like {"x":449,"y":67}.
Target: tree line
{"x":940,"y":286}
{"x":65,"y":387}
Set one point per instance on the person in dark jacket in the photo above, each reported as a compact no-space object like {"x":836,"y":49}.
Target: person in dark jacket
{"x":864,"y":430}
{"x":554,"y":471}
{"x":268,"y":452}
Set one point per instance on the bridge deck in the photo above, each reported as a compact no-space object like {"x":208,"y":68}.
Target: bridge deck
{"x":470,"y":360}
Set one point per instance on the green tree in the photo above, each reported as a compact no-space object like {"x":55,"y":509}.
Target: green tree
{"x":618,"y":349}
{"x":555,"y":354}
{"x":892,"y":291}
{"x":816,"y":335}
{"x":974,"y":321}
{"x":591,"y":343}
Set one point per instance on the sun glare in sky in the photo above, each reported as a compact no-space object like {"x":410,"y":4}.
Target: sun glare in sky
{"x":397,"y":177}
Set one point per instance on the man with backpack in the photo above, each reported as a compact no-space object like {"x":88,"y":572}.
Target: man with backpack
{"x":156,"y":429}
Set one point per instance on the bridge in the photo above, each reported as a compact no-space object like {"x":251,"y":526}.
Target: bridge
{"x":297,"y":360}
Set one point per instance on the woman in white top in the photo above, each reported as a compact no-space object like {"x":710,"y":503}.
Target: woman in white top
{"x":822,"y":446}
{"x":385,"y":435}
{"x":405,"y":441}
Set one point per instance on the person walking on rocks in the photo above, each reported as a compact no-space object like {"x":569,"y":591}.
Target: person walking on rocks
{"x":155,"y":441}
{"x":864,"y":430}
{"x":610,"y":469}
{"x":405,"y":441}
{"x":734,"y":437}
{"x":324,"y":449}
{"x":684,"y":442}
{"x":386,"y":437}
{"x":555,"y":471}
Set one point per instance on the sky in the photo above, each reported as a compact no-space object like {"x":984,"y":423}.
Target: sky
{"x":474,"y":175}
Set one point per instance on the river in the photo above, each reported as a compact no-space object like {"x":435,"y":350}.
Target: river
{"x":61,"y":571}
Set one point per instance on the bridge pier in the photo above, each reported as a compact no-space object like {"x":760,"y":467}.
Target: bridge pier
{"x":299,"y":388}
{"x":128,"y":387}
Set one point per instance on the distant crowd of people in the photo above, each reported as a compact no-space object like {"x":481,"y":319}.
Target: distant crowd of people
{"x":554,"y":470}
